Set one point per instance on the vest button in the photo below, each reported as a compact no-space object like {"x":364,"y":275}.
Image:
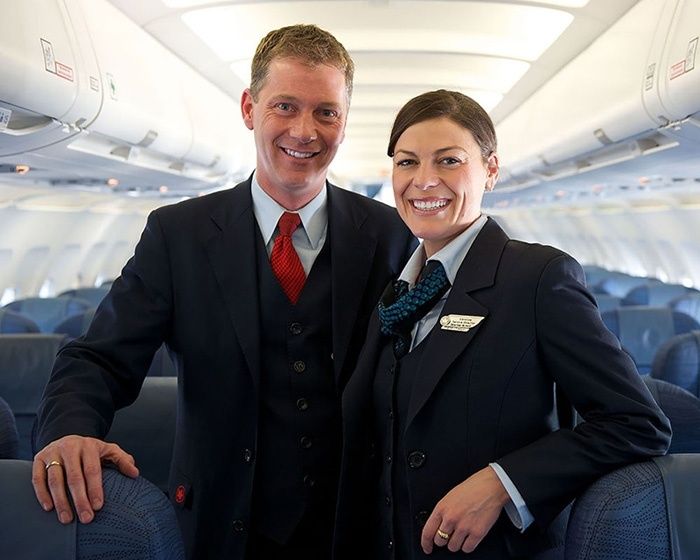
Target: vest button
{"x":299,"y":366}
{"x":238,"y":526}
{"x":302,"y":404}
{"x":247,"y":455}
{"x":416,"y":459}
{"x":295,"y":328}
{"x":305,"y":442}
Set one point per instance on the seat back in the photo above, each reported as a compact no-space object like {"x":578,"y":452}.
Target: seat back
{"x":678,"y":361}
{"x":647,"y":510}
{"x":92,"y":295}
{"x":683,"y":411}
{"x":146,"y":429}
{"x":26,"y":361}
{"x":48,"y":312}
{"x":688,"y":304}
{"x":9,"y":439}
{"x":16,"y":323}
{"x":75,"y":325}
{"x":620,"y":284}
{"x":642,"y":330}
{"x":606,"y":302}
{"x":136,"y":522}
{"x":655,"y":295}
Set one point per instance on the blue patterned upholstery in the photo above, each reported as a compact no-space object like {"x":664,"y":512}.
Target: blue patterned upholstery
{"x":678,"y":361}
{"x":688,"y":304}
{"x":683,"y":410}
{"x":654,"y":295}
{"x":26,"y":361}
{"x":642,"y":330}
{"x":75,"y":325}
{"x":9,"y":439}
{"x":48,"y":312}
{"x":146,"y":429}
{"x":136,"y":522}
{"x":16,"y":323}
{"x":92,"y":295}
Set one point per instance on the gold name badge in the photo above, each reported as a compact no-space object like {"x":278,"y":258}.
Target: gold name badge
{"x":461,"y":323}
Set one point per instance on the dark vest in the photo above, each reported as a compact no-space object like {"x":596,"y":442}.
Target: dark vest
{"x":299,"y":424}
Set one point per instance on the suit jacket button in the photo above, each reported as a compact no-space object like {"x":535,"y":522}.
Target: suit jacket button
{"x":416,"y":459}
{"x":302,"y":404}
{"x":305,"y":442}
{"x":295,"y":328}
{"x":299,"y":366}
{"x":309,"y":481}
{"x":238,"y":526}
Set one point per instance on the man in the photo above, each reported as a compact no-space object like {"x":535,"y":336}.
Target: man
{"x":265,"y":321}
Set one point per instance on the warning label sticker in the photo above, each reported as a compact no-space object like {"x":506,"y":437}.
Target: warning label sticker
{"x":678,"y":69}
{"x":5,"y":115}
{"x":94,"y":84}
{"x":64,"y":71}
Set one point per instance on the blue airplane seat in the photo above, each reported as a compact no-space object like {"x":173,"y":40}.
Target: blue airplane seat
{"x":642,"y":511}
{"x":594,"y":274}
{"x":620,"y":284}
{"x":162,"y":364}
{"x":655,"y":295}
{"x":26,"y":361}
{"x":678,"y":361}
{"x":642,"y":330}
{"x":48,"y":312}
{"x":683,"y":411}
{"x":9,"y":439}
{"x":688,"y":304}
{"x":93,"y":295}
{"x":16,"y":323}
{"x":606,"y":302}
{"x":137,"y":522}
{"x":146,"y":428}
{"x":75,"y":325}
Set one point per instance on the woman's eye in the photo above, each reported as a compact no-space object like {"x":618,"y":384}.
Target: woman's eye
{"x":404,"y":162}
{"x":450,"y":160}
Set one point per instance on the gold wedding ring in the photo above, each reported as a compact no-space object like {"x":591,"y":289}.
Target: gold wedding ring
{"x":443,"y":535}
{"x":52,"y":463}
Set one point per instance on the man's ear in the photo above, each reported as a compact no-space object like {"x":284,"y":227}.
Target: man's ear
{"x":247,"y":104}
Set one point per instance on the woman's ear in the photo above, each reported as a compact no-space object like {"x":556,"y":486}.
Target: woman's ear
{"x":492,"y":169}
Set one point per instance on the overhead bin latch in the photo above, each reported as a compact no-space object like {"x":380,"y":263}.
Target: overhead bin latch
{"x":150,"y":137}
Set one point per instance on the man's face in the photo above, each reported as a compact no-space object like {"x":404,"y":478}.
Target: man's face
{"x":298,"y":122}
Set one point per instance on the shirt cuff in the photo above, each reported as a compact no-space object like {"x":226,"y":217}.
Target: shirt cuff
{"x":517,"y":510}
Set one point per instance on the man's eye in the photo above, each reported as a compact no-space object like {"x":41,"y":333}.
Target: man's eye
{"x":329,"y":113}
{"x":284,"y":106}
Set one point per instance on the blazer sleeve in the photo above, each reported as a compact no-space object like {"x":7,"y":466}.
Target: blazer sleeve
{"x":622,"y":423}
{"x":103,"y":371}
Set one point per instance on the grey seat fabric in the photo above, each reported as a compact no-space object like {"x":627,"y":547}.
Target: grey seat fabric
{"x":48,"y":312}
{"x":9,"y":439}
{"x":642,"y":330}
{"x":16,"y":323}
{"x":26,"y":361}
{"x":683,"y":410}
{"x":643,"y":511}
{"x":146,"y":429}
{"x":678,"y":361}
{"x":136,"y":522}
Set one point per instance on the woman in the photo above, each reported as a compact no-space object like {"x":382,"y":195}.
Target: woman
{"x":458,"y":430}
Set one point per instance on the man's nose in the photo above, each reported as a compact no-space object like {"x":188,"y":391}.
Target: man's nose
{"x":304,"y":128}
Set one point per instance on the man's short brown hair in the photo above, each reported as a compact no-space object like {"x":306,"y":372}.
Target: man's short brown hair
{"x":307,"y":43}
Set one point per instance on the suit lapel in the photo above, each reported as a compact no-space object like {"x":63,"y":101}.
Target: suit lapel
{"x":352,"y":252}
{"x":231,"y":252}
{"x":443,"y":346}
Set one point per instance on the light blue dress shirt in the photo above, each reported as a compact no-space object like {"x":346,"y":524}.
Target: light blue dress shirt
{"x":451,"y":257}
{"x":308,"y":238}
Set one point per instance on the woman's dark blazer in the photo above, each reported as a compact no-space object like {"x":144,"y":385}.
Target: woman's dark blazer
{"x":490,"y":394}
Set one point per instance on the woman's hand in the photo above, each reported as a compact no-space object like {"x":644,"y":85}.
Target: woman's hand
{"x":466,"y":514}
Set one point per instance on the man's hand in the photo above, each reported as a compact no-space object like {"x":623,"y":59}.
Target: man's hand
{"x":75,"y":462}
{"x":466,"y":514}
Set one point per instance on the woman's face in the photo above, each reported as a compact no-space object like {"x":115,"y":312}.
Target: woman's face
{"x":439,"y":178}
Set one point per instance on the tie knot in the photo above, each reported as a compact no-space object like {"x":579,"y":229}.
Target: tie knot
{"x":289,"y":221}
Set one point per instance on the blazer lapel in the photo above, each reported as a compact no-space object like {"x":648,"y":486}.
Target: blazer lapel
{"x":351,"y":261}
{"x":231,"y":252}
{"x":443,"y":346}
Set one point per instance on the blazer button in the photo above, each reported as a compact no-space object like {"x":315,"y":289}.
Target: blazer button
{"x":302,"y":404}
{"x":416,"y":459}
{"x":247,"y":455}
{"x":238,"y":526}
{"x":305,"y":442}
{"x":309,"y":481}
{"x":295,"y":328}
{"x":299,"y":366}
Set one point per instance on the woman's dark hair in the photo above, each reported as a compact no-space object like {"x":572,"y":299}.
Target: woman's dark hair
{"x":453,"y":105}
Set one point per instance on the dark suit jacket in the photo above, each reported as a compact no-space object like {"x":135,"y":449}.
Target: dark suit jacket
{"x":192,"y":283}
{"x":489,"y":395}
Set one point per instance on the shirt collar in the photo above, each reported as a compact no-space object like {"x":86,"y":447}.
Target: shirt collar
{"x":450,"y":256}
{"x":314,"y":216}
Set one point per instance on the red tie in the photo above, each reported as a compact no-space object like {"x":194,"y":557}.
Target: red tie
{"x":285,"y":260}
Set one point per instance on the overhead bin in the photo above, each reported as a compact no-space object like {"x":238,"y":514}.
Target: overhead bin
{"x":84,"y":87}
{"x":47,"y":78}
